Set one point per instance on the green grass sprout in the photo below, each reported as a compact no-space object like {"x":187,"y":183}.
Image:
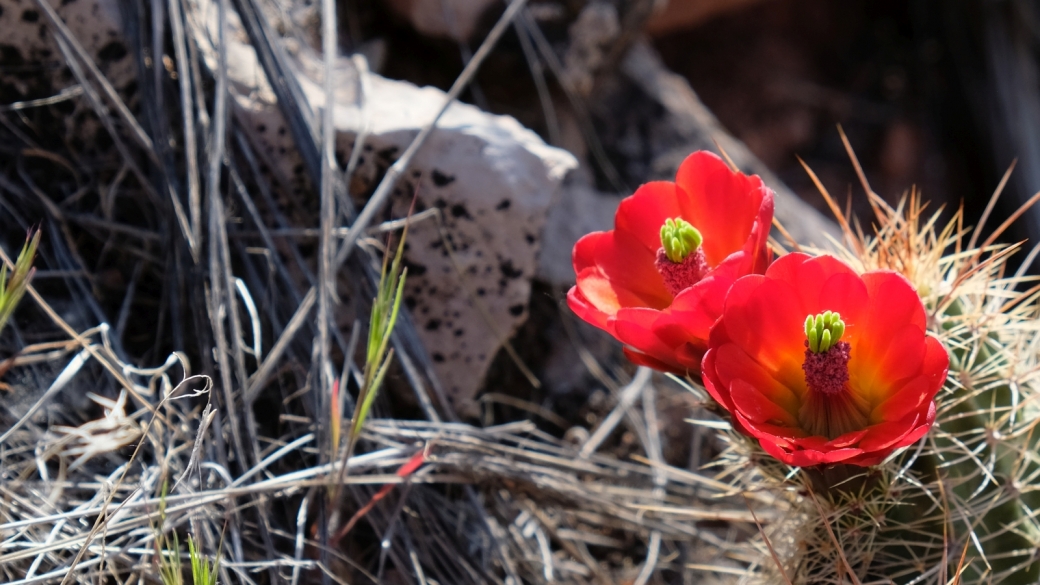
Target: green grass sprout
{"x":13,"y":286}
{"x":202,"y":571}
{"x":385,"y":308}
{"x":167,"y":547}
{"x":168,"y":553}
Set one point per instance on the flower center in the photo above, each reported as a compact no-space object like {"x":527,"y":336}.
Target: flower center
{"x":679,"y":239}
{"x":827,"y":372}
{"x":826,"y":364}
{"x":823,"y":331}
{"x":680,"y":259}
{"x":829,"y":409}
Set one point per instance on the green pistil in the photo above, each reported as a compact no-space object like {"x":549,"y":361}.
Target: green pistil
{"x":823,"y":331}
{"x":679,"y":239}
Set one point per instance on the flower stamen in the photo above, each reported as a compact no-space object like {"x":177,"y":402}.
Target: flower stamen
{"x":680,"y":259}
{"x":679,"y":239}
{"x":823,"y":331}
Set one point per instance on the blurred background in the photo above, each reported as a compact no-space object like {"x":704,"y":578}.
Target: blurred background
{"x":933,"y":95}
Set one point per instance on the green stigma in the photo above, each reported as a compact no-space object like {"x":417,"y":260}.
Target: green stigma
{"x":823,"y":331}
{"x":679,"y":239}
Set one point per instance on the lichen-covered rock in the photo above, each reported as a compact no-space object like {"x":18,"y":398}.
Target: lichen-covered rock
{"x":492,"y":180}
{"x":30,"y":62}
{"x":32,"y":66}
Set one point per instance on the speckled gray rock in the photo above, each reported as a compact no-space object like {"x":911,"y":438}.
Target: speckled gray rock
{"x":32,"y":66}
{"x":492,"y":179}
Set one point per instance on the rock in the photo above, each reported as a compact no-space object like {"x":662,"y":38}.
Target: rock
{"x":581,"y":209}
{"x":450,"y":19}
{"x":29,"y":55}
{"x":32,"y":66}
{"x":492,"y":180}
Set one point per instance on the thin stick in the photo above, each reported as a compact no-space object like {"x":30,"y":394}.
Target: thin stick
{"x":326,"y":245}
{"x":628,"y":396}
{"x":653,"y":450}
{"x":267,"y":367}
{"x":872,"y":197}
{"x":191,"y":154}
{"x":66,"y":35}
{"x":386,"y":186}
{"x":538,"y":75}
{"x":1010,"y":220}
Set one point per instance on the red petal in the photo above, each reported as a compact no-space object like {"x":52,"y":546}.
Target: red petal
{"x":906,"y":400}
{"x":808,"y":457}
{"x":660,"y":336}
{"x":586,"y":310}
{"x":893,"y":305}
{"x":845,"y":294}
{"x":882,"y":437}
{"x":783,"y":436}
{"x":866,"y":459}
{"x":822,"y":283}
{"x":723,"y":204}
{"x":756,"y":407}
{"x":936,"y":361}
{"x":732,"y":364}
{"x":765,"y":318}
{"x":635,"y":327}
{"x":877,"y":378}
{"x":678,"y":335}
{"x":701,"y":305}
{"x":642,"y":359}
{"x":642,"y":215}
{"x":847,"y":439}
{"x":613,"y":271}
{"x":714,"y":386}
{"x":916,"y":434}
{"x":690,"y":356}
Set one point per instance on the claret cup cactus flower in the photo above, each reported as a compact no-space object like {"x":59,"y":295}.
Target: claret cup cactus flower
{"x":657,"y":281}
{"x":887,"y":400}
{"x":823,"y":365}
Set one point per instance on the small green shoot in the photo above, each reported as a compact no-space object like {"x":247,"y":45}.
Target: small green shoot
{"x":12,"y":290}
{"x":202,"y":571}
{"x":385,"y":308}
{"x":167,"y":547}
{"x":168,"y":552}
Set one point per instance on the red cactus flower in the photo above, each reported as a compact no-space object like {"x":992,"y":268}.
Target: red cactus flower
{"x":822,"y":365}
{"x":657,"y":281}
